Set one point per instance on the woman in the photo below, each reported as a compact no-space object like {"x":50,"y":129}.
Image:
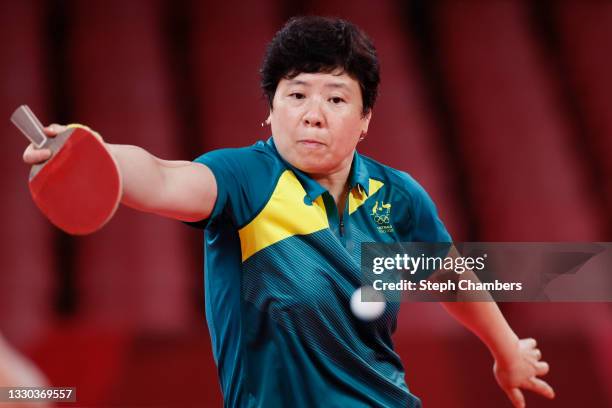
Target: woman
{"x":283,"y":220}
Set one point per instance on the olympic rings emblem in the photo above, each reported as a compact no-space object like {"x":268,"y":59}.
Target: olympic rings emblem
{"x":381,"y":219}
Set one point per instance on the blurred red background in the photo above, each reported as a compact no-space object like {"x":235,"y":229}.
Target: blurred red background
{"x":501,"y":109}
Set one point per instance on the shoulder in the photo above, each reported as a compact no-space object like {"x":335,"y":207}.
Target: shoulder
{"x":255,"y":155}
{"x":251,"y":164}
{"x":245,"y":178}
{"x":399,"y":182}
{"x":418,"y":217}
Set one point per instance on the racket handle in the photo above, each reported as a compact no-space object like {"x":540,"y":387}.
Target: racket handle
{"x":29,"y":125}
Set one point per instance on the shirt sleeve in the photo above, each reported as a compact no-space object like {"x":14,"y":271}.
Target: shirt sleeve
{"x":428,"y":227}
{"x":241,"y":177}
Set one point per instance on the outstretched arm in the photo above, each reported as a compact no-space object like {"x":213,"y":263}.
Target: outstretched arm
{"x":517,"y":361}
{"x":181,"y":190}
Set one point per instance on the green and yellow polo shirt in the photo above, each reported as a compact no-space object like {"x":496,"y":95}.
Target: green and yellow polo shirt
{"x":279,"y":273}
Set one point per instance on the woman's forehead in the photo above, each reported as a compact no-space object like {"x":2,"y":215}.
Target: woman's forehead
{"x":322,"y":79}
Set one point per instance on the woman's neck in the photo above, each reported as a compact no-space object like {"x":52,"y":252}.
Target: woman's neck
{"x":336,"y":184}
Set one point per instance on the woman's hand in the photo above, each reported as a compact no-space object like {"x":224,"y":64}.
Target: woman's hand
{"x":33,"y":155}
{"x":521,"y":371}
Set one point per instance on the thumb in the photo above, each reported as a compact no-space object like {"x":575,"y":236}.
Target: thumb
{"x":516,"y":397}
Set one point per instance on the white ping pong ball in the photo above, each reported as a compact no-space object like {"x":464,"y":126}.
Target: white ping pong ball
{"x":371,"y":309}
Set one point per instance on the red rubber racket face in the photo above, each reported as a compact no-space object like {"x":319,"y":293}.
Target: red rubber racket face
{"x":79,"y":188}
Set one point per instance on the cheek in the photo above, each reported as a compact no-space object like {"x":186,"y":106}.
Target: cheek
{"x":347,"y":133}
{"x":283,"y":121}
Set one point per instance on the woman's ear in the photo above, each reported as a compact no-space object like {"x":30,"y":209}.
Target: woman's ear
{"x":366,"y":122}
{"x":267,"y":121}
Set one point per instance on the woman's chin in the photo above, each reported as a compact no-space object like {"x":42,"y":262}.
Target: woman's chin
{"x":311,"y":166}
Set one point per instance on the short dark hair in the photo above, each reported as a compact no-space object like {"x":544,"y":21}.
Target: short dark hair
{"x":320,"y":44}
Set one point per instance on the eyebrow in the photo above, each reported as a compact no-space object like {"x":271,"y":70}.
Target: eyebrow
{"x":327,"y":85}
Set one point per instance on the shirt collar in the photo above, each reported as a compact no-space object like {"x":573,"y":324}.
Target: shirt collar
{"x":358,"y":176}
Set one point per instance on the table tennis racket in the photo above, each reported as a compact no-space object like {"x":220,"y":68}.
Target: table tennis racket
{"x":79,"y":188}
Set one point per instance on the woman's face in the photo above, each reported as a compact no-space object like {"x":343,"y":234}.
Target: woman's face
{"x":317,"y":121}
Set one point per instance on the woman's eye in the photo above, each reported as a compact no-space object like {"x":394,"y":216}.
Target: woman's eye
{"x":297,"y":95}
{"x":336,"y":100}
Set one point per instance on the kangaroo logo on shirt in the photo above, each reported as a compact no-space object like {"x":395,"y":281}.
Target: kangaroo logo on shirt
{"x":381,"y":213}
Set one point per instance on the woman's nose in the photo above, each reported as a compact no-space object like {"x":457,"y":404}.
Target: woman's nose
{"x":313,"y":116}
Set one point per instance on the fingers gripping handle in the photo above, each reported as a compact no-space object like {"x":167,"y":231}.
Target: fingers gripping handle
{"x":29,"y":125}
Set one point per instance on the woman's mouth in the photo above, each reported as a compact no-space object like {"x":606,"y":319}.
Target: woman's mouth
{"x":311,"y":144}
